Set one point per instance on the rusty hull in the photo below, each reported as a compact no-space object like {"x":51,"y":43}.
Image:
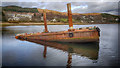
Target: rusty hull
{"x":83,"y":35}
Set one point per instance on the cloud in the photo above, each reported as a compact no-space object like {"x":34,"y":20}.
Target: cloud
{"x":57,"y":6}
{"x":97,"y":7}
{"x":22,"y":4}
{"x":77,"y":7}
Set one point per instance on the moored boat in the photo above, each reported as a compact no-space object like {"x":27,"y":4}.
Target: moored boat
{"x":86,"y":34}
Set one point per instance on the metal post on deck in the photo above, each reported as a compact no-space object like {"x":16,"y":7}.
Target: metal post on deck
{"x":69,"y":16}
{"x":45,"y":23}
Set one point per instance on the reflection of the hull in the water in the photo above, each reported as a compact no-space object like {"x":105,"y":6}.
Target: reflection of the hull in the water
{"x":89,"y":50}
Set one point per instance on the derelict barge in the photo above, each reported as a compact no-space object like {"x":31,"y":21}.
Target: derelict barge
{"x":87,"y":34}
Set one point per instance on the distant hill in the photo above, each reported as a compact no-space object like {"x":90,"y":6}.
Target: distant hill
{"x":61,"y":16}
{"x":18,"y":9}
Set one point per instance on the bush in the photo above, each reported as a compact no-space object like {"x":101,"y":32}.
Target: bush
{"x":66,"y":20}
{"x":63,"y":20}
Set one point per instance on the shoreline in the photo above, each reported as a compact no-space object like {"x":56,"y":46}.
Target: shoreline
{"x":29,"y":24}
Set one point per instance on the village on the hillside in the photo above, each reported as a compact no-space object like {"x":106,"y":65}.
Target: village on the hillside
{"x":11,"y":14}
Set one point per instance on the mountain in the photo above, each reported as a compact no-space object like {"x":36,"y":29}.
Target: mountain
{"x":60,"y":16}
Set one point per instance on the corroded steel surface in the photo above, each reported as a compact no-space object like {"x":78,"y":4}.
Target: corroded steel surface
{"x":82,"y":35}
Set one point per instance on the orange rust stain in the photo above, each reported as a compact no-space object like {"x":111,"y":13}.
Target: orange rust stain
{"x":16,"y":37}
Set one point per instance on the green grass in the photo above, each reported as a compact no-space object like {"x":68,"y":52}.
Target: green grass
{"x":28,"y":24}
{"x":49,"y":23}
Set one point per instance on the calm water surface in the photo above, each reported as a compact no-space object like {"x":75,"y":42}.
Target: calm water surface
{"x":25,"y":53}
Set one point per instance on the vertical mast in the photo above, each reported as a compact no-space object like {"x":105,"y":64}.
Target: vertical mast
{"x":45,"y":23}
{"x":44,"y":17}
{"x":69,"y":16}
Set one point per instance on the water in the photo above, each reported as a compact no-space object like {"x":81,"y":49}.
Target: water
{"x":24,"y":53}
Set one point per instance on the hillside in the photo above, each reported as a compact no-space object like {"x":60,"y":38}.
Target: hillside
{"x":32,"y":15}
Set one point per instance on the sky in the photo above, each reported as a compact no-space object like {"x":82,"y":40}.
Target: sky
{"x":76,"y":7}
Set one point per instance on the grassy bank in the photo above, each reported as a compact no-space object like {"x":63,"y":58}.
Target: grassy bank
{"x":49,"y":23}
{"x":28,"y":24}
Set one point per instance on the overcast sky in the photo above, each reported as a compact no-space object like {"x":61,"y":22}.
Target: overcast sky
{"x":77,"y":7}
